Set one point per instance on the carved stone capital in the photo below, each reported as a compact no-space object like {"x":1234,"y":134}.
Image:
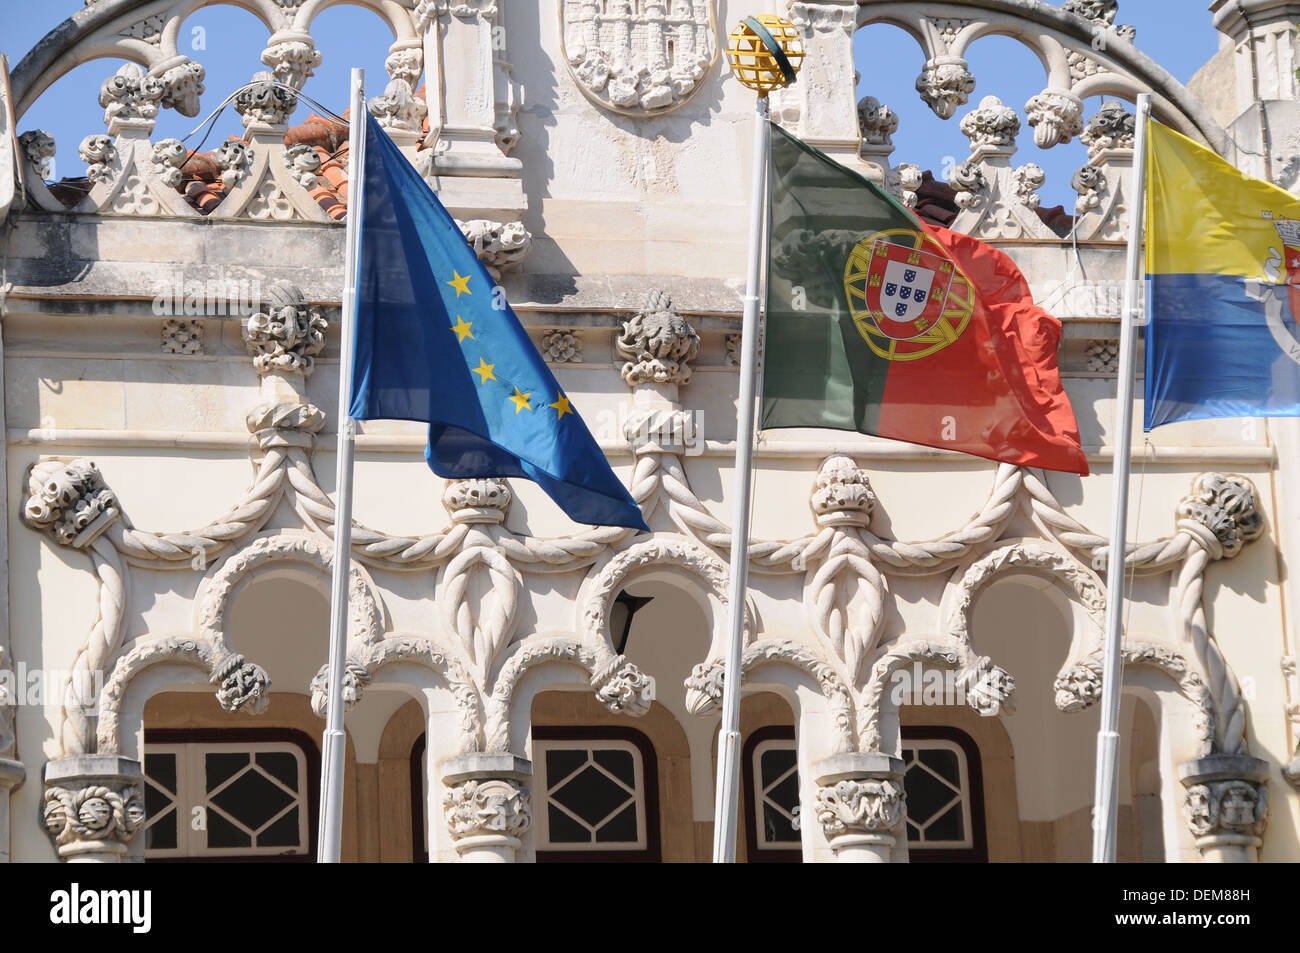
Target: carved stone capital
{"x":288,"y":334}
{"x":1226,"y":804}
{"x":945,"y":83}
{"x":486,"y":805}
{"x":860,"y":804}
{"x":659,"y":343}
{"x":265,"y":102}
{"x":842,"y":495}
{"x":93,"y":806}
{"x":70,"y":501}
{"x":1222,"y":512}
{"x":623,"y":688}
{"x":482,"y":500}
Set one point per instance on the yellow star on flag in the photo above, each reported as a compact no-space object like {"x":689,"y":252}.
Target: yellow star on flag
{"x":561,"y":406}
{"x":520,"y":399}
{"x":484,"y":371}
{"x":461,"y":327}
{"x":460,"y":283}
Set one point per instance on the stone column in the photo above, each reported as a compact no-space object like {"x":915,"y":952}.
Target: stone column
{"x":860,"y":805}
{"x":822,"y":106}
{"x":94,"y":805}
{"x":487,"y":805}
{"x":1226,"y":806}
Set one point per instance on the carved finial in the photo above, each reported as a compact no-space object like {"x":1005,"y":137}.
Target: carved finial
{"x":1226,"y":507}
{"x":1111,"y":127}
{"x":1098,"y":11}
{"x":70,"y":501}
{"x":130,"y":95}
{"x":398,"y":108}
{"x":286,"y":336}
{"x":842,"y":495}
{"x":659,"y":343}
{"x":483,"y":500}
{"x":1056,"y":117}
{"x":38,"y":149}
{"x":265,"y":102}
{"x":877,"y":123}
{"x":944,"y":84}
{"x":991,"y":126}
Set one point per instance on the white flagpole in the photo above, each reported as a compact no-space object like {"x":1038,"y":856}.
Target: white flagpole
{"x":1106,"y":797}
{"x":726,"y":806}
{"x":334,"y":743}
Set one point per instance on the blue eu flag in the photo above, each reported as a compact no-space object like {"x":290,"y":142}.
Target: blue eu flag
{"x":437,"y":342}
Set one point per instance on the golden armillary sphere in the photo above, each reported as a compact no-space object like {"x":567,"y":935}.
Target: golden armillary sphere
{"x":765,"y":52}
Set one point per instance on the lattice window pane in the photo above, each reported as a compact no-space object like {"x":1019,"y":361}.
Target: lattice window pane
{"x":938,"y":795}
{"x":594,"y":795}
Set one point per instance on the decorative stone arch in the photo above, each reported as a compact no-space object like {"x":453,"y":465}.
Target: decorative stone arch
{"x":395,"y":16}
{"x":365,"y":608}
{"x":241,"y":685}
{"x":675,"y":554}
{"x":1077,"y":583}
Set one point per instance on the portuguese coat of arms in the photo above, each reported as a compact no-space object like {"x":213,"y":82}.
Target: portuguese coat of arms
{"x":638,"y":57}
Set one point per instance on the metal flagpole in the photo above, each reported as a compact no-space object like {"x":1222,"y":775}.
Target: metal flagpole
{"x":1106,"y":797}
{"x":334,"y":748}
{"x":728,"y":786}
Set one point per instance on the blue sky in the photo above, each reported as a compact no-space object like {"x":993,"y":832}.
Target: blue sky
{"x":888,"y":60}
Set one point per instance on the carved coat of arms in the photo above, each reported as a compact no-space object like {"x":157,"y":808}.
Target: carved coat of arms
{"x":638,"y":57}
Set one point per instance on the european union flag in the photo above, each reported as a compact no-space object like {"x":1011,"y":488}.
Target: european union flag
{"x":437,"y":342}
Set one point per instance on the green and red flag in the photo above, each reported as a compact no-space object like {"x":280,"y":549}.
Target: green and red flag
{"x":880,"y":323}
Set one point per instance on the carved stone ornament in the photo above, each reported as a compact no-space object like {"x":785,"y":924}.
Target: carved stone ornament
{"x":501,"y":246}
{"x":480,"y":500}
{"x":287,"y":335}
{"x":1090,"y":182}
{"x":292,"y":58}
{"x":990,"y":690}
{"x":303,"y":162}
{"x":355,"y":679}
{"x":93,"y":805}
{"x":167,"y":158}
{"x":265,"y":102}
{"x":131,"y":95}
{"x":498,"y":806}
{"x":944,"y":84}
{"x":866,"y":806}
{"x":182,"y":336}
{"x":623,"y":688}
{"x":69,"y":501}
{"x":638,"y":57}
{"x":842,"y":494}
{"x":659,"y":343}
{"x":1226,"y":800}
{"x":1079,"y":686}
{"x":1224,"y":508}
{"x":182,"y":84}
{"x":242,"y":686}
{"x":1056,"y":117}
{"x":97,"y":151}
{"x":38,"y":149}
{"x":398,"y":108}
{"x":562,"y":346}
{"x":1103,"y":354}
{"x":1111,"y":127}
{"x":876,"y":122}
{"x":991,"y":125}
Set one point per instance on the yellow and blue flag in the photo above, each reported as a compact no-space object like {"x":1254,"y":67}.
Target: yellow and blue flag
{"x":437,"y":342}
{"x":1222,"y":288}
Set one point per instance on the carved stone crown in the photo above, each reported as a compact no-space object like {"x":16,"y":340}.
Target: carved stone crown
{"x":659,"y":343}
{"x":1225,"y":505}
{"x":842,"y":494}
{"x":477,"y":501}
{"x":68,"y":499}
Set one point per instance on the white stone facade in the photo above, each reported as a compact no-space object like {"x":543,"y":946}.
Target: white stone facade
{"x":169,"y":522}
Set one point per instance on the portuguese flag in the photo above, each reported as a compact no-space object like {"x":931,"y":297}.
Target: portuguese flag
{"x":880,"y":323}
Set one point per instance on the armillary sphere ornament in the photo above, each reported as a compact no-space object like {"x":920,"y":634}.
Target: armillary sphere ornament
{"x":765,"y":52}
